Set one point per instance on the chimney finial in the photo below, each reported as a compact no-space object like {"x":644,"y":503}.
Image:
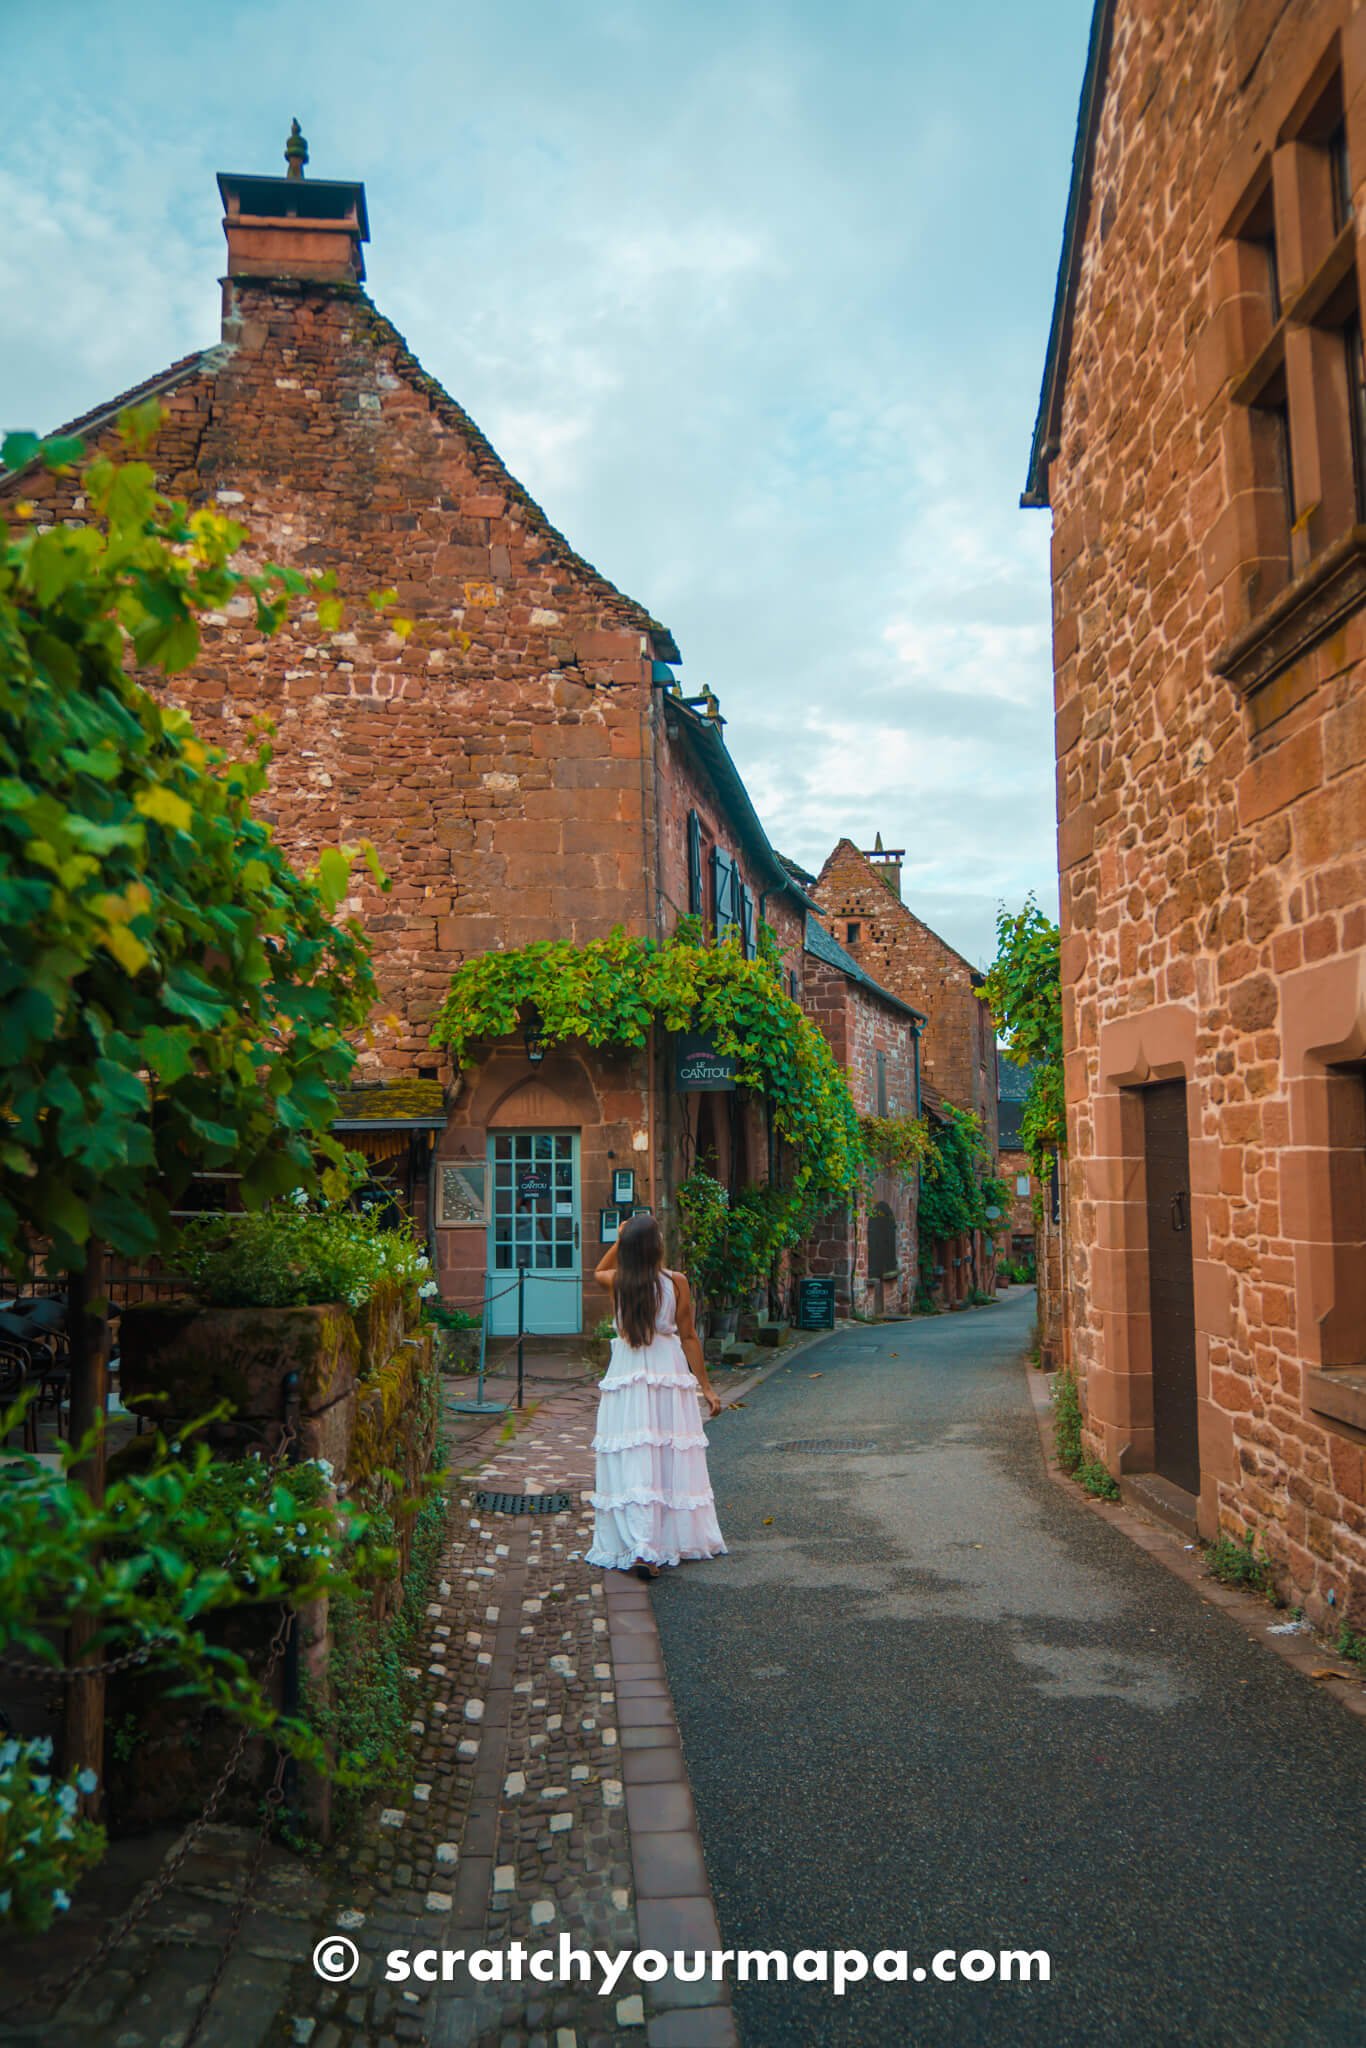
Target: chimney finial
{"x":296,"y":151}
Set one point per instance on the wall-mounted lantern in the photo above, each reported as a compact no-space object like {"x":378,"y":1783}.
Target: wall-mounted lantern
{"x":534,"y":1038}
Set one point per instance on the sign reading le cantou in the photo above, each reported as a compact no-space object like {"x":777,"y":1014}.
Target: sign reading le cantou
{"x":533,"y":1187}
{"x":698,"y":1065}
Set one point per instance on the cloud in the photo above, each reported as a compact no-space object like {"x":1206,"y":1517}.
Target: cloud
{"x":751,"y":297}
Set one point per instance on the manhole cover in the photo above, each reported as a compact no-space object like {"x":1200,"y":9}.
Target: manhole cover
{"x":523,"y":1503}
{"x":825,"y":1443}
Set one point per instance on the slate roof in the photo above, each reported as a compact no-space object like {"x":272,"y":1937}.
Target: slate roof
{"x":1049,"y":417}
{"x":408,"y":1102}
{"x":705,"y":736}
{"x":818,"y":942}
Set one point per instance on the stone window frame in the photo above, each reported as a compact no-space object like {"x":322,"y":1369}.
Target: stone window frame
{"x":1323,"y":1183}
{"x":1158,"y":1044}
{"x":1293,"y":572}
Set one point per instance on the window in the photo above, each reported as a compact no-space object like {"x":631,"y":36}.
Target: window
{"x":748,"y":930}
{"x":1298,"y":422}
{"x":1341,"y":173}
{"x":882,"y":1084}
{"x":1356,"y":388}
{"x":852,"y":933}
{"x":695,"y":905}
{"x":1022,"y":1183}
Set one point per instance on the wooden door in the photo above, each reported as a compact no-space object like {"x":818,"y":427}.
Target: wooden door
{"x":1171,"y":1290}
{"x":534,"y":1225}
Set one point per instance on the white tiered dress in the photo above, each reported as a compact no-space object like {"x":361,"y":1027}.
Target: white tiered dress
{"x":652,"y":1498}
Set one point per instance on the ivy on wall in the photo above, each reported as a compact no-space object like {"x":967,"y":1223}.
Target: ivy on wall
{"x":957,"y":1186}
{"x":895,"y":1144}
{"x":613,"y":991}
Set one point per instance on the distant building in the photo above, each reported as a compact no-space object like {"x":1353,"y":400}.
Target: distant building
{"x":868,"y":1244}
{"x":1014,"y":1167}
{"x":859,"y":894}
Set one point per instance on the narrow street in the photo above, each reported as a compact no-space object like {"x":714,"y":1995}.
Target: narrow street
{"x":928,"y":1702}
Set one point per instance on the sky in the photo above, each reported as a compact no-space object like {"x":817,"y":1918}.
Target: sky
{"x":752,"y":296}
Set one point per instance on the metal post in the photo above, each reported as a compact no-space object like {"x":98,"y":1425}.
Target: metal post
{"x":479,"y":1406}
{"x":521,"y":1328}
{"x":289,"y":1682}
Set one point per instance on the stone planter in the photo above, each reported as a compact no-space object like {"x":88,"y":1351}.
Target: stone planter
{"x":193,"y":1358}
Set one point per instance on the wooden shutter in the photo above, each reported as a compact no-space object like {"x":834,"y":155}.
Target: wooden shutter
{"x":694,"y":864}
{"x":747,"y":922}
{"x":723,"y":890}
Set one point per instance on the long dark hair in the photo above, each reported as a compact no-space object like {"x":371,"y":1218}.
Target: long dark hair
{"x":635,"y":1285}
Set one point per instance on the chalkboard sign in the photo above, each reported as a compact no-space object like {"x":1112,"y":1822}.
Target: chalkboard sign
{"x":533,"y":1187}
{"x":815,"y":1304}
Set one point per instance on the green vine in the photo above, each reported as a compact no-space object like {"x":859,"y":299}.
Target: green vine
{"x":895,"y":1144}
{"x":1023,"y":989}
{"x":729,"y":1247}
{"x":957,"y":1187}
{"x":615,"y":990}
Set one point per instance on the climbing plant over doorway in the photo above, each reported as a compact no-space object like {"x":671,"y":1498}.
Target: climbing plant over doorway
{"x":613,"y":991}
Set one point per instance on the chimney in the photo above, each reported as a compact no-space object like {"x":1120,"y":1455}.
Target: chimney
{"x":887,"y":860}
{"x":294,"y":226}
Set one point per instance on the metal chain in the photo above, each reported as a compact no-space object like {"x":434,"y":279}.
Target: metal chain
{"x":33,"y":1667}
{"x":274,"y":1800}
{"x":150,"y":1893}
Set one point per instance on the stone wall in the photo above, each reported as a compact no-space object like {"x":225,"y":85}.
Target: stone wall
{"x":1211,"y":742}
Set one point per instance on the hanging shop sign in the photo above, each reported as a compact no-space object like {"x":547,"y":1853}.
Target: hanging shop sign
{"x":698,"y":1066}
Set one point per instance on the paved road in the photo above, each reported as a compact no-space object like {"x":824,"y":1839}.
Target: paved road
{"x":932,"y":1704}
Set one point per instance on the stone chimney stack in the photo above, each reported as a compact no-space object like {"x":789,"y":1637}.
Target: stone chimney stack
{"x":293,"y":227}
{"x":887,"y":860}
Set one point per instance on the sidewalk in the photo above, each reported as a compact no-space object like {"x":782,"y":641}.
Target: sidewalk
{"x":551,"y":1795}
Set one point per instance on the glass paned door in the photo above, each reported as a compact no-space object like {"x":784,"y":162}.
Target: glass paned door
{"x":534,"y":1222}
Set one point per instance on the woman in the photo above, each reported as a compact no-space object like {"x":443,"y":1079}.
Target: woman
{"x":652,"y":1503}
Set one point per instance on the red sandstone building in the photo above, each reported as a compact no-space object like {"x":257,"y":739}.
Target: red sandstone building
{"x":521,"y":758}
{"x":1201,"y":441}
{"x":860,"y":900}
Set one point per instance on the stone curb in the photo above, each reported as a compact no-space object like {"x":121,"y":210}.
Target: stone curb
{"x":1302,"y":1653}
{"x":673,"y":1895}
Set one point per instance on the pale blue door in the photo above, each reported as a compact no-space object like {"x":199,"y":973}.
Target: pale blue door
{"x":534,"y":1223}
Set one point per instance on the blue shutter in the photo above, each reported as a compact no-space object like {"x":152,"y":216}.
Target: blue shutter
{"x":747,"y":923}
{"x":723,"y":891}
{"x":694,"y":864}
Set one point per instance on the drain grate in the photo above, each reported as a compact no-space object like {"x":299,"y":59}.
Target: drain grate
{"x":826,"y":1443}
{"x":523,"y":1503}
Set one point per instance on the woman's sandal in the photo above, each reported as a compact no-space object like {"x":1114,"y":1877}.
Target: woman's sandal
{"x":645,"y":1571}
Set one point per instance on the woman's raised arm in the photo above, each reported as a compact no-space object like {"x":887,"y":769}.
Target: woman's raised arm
{"x":606,"y":1268}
